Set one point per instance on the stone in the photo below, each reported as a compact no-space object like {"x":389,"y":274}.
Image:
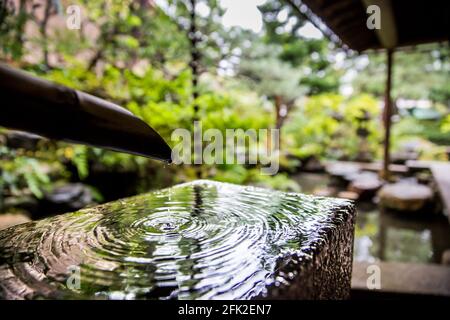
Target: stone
{"x":401,"y":157}
{"x":200,"y":240}
{"x":405,"y":196}
{"x":365,"y":184}
{"x":341,"y":169}
{"x":22,"y":140}
{"x":65,"y":198}
{"x":312,"y":164}
{"x":400,"y":280}
{"x":424,"y":177}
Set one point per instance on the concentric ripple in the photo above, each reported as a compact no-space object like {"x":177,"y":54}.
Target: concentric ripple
{"x":198,"y":240}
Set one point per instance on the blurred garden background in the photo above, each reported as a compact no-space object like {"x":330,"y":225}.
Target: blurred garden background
{"x":279,"y":72}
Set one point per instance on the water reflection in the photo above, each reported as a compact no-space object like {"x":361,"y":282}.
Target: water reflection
{"x":389,"y":236}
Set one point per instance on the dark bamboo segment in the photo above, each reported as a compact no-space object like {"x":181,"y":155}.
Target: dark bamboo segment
{"x":387,"y":116}
{"x":58,"y":112}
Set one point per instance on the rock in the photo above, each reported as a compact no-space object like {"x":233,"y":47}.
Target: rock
{"x":405,"y":196}
{"x":22,"y":140}
{"x":424,"y":177}
{"x":341,"y":173}
{"x":400,"y":157}
{"x":11,"y":219}
{"x":341,"y":170}
{"x":66,"y":198}
{"x":365,"y":184}
{"x":312,"y":164}
{"x":200,"y":240}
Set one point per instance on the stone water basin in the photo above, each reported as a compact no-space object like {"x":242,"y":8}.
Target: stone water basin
{"x":199,"y":240}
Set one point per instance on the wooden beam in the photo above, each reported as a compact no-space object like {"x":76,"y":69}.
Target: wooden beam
{"x":315,"y":20}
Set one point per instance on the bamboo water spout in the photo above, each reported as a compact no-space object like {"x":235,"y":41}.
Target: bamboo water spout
{"x":58,"y":112}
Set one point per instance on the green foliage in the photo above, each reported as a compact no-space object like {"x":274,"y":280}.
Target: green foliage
{"x":270,"y":76}
{"x":445,"y":127}
{"x":425,"y":136}
{"x":12,"y":24}
{"x":326,"y":126}
{"x":434,"y":131}
{"x":80,"y":159}
{"x":421,"y":74}
{"x":22,"y":172}
{"x":311,"y":56}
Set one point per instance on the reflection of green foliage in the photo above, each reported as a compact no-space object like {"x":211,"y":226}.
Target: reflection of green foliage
{"x":408,"y":246}
{"x":401,"y":245}
{"x":367,"y":225}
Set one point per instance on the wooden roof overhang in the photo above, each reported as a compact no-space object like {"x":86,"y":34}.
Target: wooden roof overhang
{"x":403,"y":22}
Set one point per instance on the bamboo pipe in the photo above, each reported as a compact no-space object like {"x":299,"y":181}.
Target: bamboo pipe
{"x":58,"y":112}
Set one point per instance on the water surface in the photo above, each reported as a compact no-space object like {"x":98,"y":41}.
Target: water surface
{"x":195,"y":241}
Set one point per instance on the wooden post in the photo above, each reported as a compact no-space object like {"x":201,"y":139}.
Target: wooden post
{"x":387,"y":116}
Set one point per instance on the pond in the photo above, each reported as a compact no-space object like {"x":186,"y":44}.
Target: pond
{"x":390,"y":236}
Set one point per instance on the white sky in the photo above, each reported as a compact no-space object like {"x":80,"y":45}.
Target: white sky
{"x":245,"y":14}
{"x":242,"y":13}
